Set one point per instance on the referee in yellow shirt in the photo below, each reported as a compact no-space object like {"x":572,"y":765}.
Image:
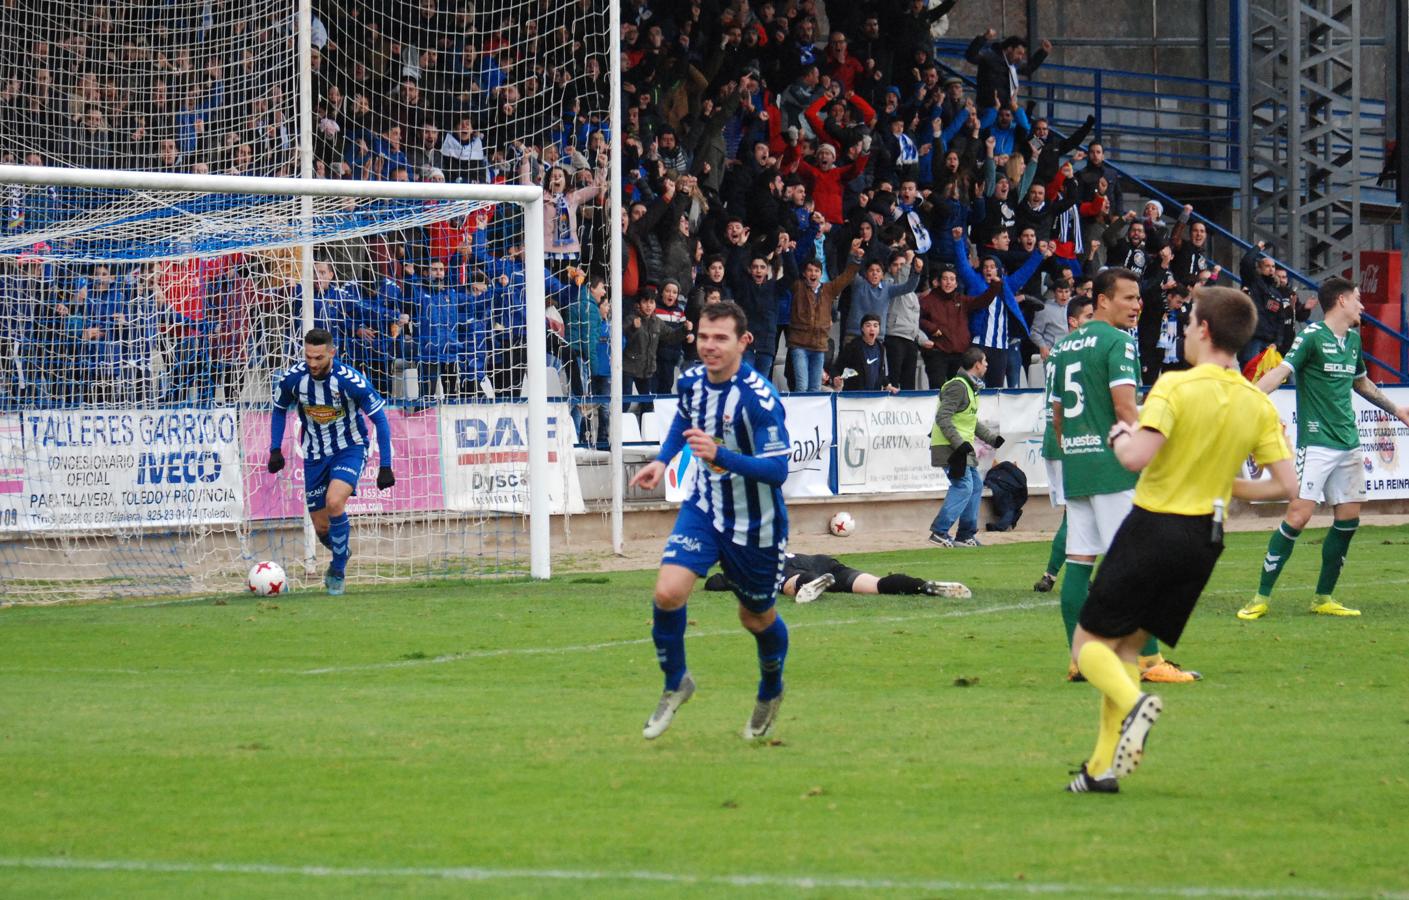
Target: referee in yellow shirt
{"x":1196,"y":429}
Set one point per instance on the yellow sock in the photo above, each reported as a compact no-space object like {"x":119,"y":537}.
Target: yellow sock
{"x":1133,"y":670}
{"x":1150,"y":661}
{"x":1109,"y":675}
{"x":1106,"y":738}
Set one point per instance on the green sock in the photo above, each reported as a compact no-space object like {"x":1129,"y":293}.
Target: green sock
{"x":1279,"y":550}
{"x":1151,"y":647}
{"x":1059,"y":551}
{"x":1075,"y":587}
{"x":1333,"y":554}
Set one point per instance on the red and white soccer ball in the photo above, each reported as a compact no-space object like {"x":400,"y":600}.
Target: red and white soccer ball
{"x":267,"y":579}
{"x":842,"y":524}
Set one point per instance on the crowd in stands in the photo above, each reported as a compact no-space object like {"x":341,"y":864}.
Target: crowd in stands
{"x":872,"y":213}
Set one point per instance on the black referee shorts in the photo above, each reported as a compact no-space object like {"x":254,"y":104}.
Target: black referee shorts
{"x":1153,"y":575}
{"x":810,"y":567}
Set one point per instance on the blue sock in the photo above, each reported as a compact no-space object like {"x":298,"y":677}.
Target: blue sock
{"x":325,"y":539}
{"x":772,"y":652}
{"x":339,"y":530}
{"x":669,"y":635}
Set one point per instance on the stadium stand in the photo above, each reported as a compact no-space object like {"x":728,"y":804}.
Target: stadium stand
{"x":749,"y":135}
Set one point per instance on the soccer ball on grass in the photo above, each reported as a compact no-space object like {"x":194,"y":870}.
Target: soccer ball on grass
{"x":267,"y":579}
{"x":842,"y":524}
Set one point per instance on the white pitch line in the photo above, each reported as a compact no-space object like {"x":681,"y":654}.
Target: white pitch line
{"x":631,"y":642}
{"x":794,"y":882}
{"x":607,"y":645}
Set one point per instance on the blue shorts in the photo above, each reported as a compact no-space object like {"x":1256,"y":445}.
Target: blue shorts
{"x":344,"y":465}
{"x":754,"y":573}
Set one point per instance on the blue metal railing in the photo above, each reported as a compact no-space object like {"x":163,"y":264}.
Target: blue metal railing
{"x":1221,"y":137}
{"x":1156,"y":119}
{"x":1401,"y":371}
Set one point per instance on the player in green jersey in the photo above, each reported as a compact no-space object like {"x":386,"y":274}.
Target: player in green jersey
{"x":1078,"y":314}
{"x":1094,"y":380}
{"x":1329,"y":364}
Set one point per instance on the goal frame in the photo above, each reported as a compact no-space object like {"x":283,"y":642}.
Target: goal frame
{"x":528,"y":197}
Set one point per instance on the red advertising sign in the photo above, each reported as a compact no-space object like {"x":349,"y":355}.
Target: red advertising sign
{"x":415,"y":447}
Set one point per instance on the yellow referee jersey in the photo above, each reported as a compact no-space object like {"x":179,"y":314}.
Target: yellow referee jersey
{"x":1212,"y":419}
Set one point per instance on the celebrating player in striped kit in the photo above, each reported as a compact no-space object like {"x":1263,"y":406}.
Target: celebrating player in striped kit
{"x":731,"y":418}
{"x":328,"y":395}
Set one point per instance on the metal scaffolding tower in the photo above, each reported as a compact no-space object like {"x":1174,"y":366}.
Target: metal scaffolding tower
{"x":1299,"y":63}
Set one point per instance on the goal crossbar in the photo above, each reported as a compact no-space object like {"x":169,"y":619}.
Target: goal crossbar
{"x":526,"y":195}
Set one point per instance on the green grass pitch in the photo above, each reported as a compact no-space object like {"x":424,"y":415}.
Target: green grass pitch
{"x":450,"y":740}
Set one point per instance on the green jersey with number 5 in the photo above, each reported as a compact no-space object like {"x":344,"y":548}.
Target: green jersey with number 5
{"x":1326,"y":368}
{"x":1089,"y":362}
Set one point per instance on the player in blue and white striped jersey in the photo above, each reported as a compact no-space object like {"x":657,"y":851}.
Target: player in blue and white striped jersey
{"x":731,"y":419}
{"x":328,"y":396}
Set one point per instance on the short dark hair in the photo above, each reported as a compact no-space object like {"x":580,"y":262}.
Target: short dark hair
{"x":1229,"y":314}
{"x":1105,"y":281}
{"x":727,"y":309}
{"x":870,"y":317}
{"x":319,"y":337}
{"x":1077,"y":305}
{"x":1332,"y":290}
{"x":971,"y":357}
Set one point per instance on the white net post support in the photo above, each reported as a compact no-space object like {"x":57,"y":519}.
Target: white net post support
{"x":305,"y":170}
{"x":618,"y":459}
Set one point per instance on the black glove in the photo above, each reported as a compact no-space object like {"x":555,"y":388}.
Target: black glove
{"x":959,"y":461}
{"x":385,"y":478}
{"x":998,"y":442}
{"x":276,"y":461}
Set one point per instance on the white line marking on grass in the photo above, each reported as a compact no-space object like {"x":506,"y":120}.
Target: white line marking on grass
{"x":60,"y":670}
{"x":631,"y":642}
{"x":795,"y":882}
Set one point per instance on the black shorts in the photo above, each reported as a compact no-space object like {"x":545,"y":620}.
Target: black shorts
{"x":809,"y":567}
{"x":1152,"y":576}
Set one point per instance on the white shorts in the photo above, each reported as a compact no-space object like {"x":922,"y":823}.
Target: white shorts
{"x":1055,"y":492}
{"x":1092,"y":521}
{"x":1336,"y":476}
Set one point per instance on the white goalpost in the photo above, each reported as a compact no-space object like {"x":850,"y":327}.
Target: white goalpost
{"x":249,"y":223}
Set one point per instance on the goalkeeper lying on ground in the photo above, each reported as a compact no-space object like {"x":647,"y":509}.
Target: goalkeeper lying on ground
{"x":806,"y":577}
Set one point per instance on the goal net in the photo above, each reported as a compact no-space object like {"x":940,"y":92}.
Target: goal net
{"x":135,"y":433}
